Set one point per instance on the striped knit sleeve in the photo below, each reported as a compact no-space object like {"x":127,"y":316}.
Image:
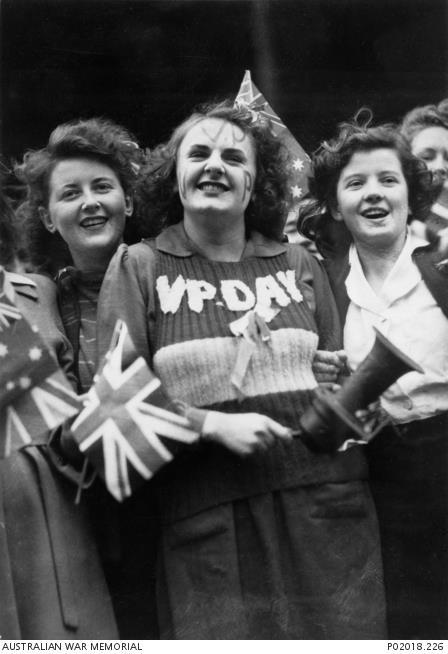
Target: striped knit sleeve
{"x":327,"y":317}
{"x":126,"y":294}
{"x":309,"y":271}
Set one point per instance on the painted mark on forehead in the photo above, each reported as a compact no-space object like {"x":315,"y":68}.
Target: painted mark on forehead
{"x":235,"y":133}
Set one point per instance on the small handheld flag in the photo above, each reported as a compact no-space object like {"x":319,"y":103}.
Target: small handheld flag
{"x":35,"y":395}
{"x":127,"y":429}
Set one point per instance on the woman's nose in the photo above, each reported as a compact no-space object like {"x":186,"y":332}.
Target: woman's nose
{"x":373,"y":192}
{"x":214,"y":165}
{"x":90,"y":203}
{"x":440,"y":164}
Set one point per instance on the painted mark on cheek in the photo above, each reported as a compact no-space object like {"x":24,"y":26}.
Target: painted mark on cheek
{"x":248,"y":185}
{"x":182,"y":187}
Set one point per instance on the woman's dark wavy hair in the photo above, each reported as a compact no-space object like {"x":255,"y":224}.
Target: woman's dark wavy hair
{"x":9,"y":243}
{"x":421,"y":118}
{"x":98,"y":139}
{"x":331,"y":158}
{"x":157,"y":198}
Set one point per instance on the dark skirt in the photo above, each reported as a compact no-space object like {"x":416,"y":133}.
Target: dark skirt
{"x":409,"y":480}
{"x":300,"y":563}
{"x":52,"y":584}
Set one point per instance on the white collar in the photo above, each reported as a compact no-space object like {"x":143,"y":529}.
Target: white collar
{"x":403,"y":277}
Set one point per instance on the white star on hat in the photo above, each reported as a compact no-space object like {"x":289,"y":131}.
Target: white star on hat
{"x":296,"y":191}
{"x":298,"y":164}
{"x":35,"y":353}
{"x":3,"y":350}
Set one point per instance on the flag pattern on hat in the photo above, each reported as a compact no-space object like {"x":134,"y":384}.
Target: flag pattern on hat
{"x":35,"y":396}
{"x":250,"y":97}
{"x":127,"y":430}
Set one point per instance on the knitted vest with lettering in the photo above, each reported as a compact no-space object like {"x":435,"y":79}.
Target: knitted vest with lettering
{"x":194,"y":354}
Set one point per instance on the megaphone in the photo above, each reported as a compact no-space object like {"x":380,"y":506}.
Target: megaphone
{"x":327,"y":424}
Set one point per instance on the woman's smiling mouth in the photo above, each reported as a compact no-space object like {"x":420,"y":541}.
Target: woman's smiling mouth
{"x":93,"y":222}
{"x":374,"y":213}
{"x":212,"y":187}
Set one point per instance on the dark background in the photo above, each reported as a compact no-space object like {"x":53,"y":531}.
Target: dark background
{"x":145,"y":63}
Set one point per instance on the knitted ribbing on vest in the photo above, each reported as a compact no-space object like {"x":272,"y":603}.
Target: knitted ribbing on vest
{"x":194,"y":354}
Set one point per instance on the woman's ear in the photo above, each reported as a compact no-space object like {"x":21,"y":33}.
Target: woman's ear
{"x":129,"y":205}
{"x":335,"y":213}
{"x":46,"y":220}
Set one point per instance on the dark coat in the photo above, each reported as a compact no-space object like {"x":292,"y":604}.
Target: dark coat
{"x":51,"y":581}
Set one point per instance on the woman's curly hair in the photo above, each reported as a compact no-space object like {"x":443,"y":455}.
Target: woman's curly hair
{"x":316,"y":222}
{"x":157,"y":199}
{"x":9,"y":242}
{"x":421,"y":118}
{"x":98,"y":139}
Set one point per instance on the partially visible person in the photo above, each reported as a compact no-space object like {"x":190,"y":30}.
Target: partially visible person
{"x":79,"y":208}
{"x":367,"y":187}
{"x":426,"y":129}
{"x":9,"y":239}
{"x":260,"y":538}
{"x":51,"y":580}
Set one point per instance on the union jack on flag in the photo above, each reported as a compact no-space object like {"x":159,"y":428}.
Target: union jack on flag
{"x":250,"y":97}
{"x":127,"y":429}
{"x":35,"y":396}
{"x":42,"y":408}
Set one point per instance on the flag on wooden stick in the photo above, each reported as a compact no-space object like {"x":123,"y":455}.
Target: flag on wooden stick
{"x":128,"y":429}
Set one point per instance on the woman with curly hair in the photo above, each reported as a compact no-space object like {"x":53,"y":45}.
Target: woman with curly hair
{"x":79,"y":208}
{"x":260,"y":538}
{"x":368,"y":184}
{"x":51,"y":578}
{"x":426,"y":129}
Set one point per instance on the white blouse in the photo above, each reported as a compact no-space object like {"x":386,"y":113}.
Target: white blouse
{"x":406,"y":312}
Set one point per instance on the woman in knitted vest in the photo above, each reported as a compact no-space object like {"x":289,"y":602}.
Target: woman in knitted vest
{"x":368,"y":186}
{"x":260,"y":538}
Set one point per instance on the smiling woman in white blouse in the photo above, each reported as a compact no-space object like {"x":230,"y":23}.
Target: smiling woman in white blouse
{"x":367,"y":185}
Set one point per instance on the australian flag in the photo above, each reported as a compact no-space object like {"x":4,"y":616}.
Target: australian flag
{"x":300,"y":168}
{"x":35,"y":395}
{"x":128,"y":429}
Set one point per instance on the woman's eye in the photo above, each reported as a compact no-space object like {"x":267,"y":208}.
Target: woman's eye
{"x":389,"y":180}
{"x":354,"y":183}
{"x":104,"y":187}
{"x":234,"y":157}
{"x":197,"y":154}
{"x":69,"y":194}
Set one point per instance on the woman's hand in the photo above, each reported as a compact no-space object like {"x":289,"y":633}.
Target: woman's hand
{"x":327,"y":366}
{"x":373,"y":418}
{"x":243,"y":433}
